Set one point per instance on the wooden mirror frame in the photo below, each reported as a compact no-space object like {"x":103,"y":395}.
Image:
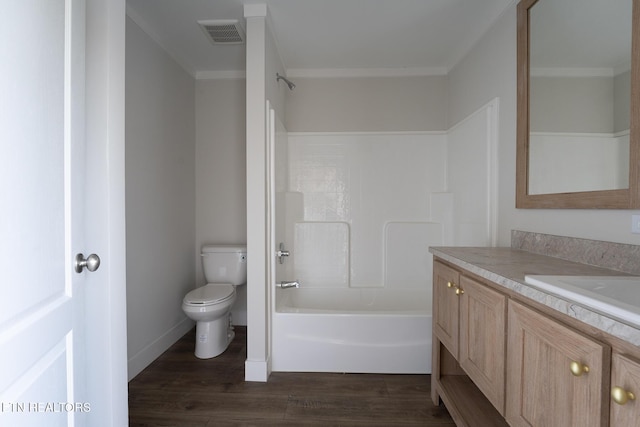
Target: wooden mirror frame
{"x":605,"y":199}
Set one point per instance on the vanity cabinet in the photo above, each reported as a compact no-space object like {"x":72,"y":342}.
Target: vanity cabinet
{"x":625,"y":391}
{"x":502,"y":359}
{"x":556,"y":375}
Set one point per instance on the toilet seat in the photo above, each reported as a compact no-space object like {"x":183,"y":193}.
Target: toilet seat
{"x":213,"y":293}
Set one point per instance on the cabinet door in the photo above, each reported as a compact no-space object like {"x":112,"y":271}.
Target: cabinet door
{"x":541,"y":389}
{"x":482,"y":338}
{"x":625,"y":375}
{"x":445,"y":306}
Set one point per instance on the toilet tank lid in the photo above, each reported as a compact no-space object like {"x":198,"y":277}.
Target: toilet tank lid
{"x":206,"y":249}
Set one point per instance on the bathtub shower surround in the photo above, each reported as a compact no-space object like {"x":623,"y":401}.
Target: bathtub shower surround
{"x":352,"y":186}
{"x":357,"y":213}
{"x":356,"y":216}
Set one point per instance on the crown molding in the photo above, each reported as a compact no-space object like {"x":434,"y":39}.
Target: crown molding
{"x":365,"y":72}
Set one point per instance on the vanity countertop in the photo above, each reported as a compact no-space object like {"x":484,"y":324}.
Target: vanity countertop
{"x":508,"y":267}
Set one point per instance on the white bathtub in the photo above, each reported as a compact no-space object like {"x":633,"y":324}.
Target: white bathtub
{"x":372,"y":330}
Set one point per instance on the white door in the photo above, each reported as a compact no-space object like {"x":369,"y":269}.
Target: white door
{"x":47,"y":361}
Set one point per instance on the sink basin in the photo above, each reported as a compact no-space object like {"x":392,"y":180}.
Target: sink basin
{"x":617,"y":296}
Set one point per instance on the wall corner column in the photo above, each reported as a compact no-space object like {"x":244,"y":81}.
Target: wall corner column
{"x":257,"y":366}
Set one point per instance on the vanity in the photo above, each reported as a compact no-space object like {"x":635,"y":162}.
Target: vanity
{"x":506,"y":352}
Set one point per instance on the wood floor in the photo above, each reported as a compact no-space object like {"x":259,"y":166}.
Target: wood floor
{"x":180,"y":390}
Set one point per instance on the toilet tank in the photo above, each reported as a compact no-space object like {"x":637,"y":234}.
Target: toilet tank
{"x":225,"y":263}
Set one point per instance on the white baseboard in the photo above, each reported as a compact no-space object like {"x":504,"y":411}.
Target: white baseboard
{"x":151,"y":352}
{"x":257,"y":370}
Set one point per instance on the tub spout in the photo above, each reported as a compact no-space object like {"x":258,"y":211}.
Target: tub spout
{"x":286,"y":284}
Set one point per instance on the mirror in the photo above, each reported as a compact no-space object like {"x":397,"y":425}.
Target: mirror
{"x":577,"y":146}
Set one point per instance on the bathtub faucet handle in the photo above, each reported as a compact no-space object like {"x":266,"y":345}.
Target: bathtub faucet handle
{"x":281,"y":253}
{"x":288,"y":284}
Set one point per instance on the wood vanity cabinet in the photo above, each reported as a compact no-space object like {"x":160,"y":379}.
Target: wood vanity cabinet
{"x":555,"y":374}
{"x":500,"y":359}
{"x":625,"y":391}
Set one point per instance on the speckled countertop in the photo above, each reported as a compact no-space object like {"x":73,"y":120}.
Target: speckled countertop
{"x":507,"y":267}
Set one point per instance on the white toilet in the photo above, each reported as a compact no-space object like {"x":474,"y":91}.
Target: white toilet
{"x":225,"y":267}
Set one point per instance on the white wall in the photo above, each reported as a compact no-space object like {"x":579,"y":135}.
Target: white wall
{"x":160,"y":197}
{"x":488,"y":71}
{"x":220,"y":167}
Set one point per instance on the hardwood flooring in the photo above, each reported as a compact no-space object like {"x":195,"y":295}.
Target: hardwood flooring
{"x":178,"y":389}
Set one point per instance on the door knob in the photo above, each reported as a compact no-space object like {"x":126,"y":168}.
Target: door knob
{"x":92,"y":262}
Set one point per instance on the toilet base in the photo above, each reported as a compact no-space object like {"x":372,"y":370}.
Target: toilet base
{"x":213,"y":338}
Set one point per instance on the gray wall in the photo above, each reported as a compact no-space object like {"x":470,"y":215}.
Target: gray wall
{"x":367,"y":104}
{"x":160,"y":197}
{"x":622,"y":101}
{"x":572,"y":104}
{"x":580,"y":104}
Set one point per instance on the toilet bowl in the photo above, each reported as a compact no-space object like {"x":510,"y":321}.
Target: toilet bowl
{"x":210,"y":306}
{"x":225,"y":268}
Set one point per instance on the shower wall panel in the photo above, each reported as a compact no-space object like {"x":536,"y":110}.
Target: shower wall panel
{"x":471,"y":177}
{"x":407,"y":264}
{"x":353,"y":187}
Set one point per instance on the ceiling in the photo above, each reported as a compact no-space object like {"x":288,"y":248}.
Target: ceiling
{"x":326,"y":37}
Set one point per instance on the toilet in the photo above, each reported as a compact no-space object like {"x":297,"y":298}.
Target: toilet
{"x":225,"y":268}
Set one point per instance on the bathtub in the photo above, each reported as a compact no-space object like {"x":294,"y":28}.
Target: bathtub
{"x":369,"y":330}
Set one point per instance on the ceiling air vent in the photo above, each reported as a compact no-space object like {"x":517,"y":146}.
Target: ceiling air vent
{"x":223,"y":31}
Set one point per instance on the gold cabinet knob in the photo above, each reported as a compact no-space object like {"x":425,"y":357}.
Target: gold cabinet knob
{"x":621,"y":396}
{"x":459,"y":291}
{"x":451,"y":285}
{"x":578,"y":368}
